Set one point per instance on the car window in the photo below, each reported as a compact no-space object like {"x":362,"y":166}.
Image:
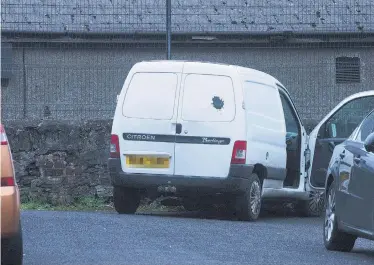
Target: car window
{"x":289,"y":116}
{"x":366,"y":128}
{"x":348,"y":117}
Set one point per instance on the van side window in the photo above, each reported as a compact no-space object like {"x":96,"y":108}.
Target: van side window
{"x":292,"y":123}
{"x":262,"y":98}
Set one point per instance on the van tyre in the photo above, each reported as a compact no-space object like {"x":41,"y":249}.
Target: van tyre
{"x":126,"y":200}
{"x":314,"y":207}
{"x":333,"y":238}
{"x":249,"y":203}
{"x":12,"y":254}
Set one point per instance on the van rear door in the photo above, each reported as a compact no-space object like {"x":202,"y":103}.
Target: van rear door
{"x":148,"y":123}
{"x":206,"y":115}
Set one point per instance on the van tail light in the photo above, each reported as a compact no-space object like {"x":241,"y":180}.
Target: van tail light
{"x":7,"y":181}
{"x":114,"y":146}
{"x":3,"y":138}
{"x":239,"y":152}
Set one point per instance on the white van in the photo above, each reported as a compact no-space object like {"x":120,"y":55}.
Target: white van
{"x":203,"y":132}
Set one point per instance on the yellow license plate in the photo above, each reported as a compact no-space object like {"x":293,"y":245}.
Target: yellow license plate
{"x":138,"y":161}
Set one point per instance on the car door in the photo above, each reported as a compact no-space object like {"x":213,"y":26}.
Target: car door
{"x":335,"y":128}
{"x":359,"y":201}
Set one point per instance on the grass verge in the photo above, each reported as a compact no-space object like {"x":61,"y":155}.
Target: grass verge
{"x":82,"y":204}
{"x":95,"y":204}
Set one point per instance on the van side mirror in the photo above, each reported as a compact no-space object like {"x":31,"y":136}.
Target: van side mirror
{"x":369,"y":143}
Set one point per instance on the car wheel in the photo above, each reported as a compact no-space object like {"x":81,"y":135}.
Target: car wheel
{"x":313,"y":207}
{"x":335,"y":239}
{"x":12,"y":251}
{"x":249,"y":203}
{"x":126,"y":200}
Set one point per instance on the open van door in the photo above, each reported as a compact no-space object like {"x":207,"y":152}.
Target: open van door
{"x":335,"y":128}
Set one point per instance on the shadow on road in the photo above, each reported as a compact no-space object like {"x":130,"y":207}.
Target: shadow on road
{"x":364,"y":252}
{"x":217,"y":213}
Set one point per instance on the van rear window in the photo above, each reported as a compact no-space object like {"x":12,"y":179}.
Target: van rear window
{"x":151,"y":96}
{"x":208,"y":98}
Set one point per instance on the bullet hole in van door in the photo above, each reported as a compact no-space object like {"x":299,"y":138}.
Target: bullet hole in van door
{"x":217,"y":102}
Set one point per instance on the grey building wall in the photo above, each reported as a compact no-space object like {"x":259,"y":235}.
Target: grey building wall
{"x":82,"y":83}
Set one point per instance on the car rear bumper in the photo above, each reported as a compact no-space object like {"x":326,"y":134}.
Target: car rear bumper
{"x":10,"y":211}
{"x":236,"y":181}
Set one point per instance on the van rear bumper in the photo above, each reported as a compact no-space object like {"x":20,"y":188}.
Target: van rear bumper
{"x":236,"y":181}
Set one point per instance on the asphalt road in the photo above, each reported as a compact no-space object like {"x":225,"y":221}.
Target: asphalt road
{"x":109,"y":239}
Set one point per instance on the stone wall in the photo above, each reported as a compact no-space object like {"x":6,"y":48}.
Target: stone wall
{"x":57,"y":162}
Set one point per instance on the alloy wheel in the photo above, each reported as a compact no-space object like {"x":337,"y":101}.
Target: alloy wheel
{"x":255,"y":198}
{"x":316,"y":202}
{"x":330,"y":214}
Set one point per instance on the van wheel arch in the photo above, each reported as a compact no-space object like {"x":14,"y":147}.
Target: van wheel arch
{"x":261,"y":172}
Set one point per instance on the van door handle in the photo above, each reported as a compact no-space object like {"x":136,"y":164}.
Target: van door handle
{"x":178,"y":128}
{"x":342,"y":154}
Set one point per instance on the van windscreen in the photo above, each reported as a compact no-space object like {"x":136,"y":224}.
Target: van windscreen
{"x":151,"y":96}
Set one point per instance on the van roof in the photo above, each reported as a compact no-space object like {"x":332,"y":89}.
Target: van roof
{"x":188,"y":61}
{"x":241,"y":69}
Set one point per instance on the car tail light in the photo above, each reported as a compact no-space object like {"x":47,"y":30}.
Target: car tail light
{"x":239,"y":152}
{"x":114,"y":146}
{"x":7,"y":181}
{"x":3,"y":138}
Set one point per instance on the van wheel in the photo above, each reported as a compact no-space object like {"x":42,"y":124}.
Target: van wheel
{"x":12,"y":250}
{"x":126,"y":200}
{"x":249,"y":203}
{"x":313,"y":207}
{"x":333,"y":238}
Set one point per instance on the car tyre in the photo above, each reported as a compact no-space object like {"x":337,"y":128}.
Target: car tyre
{"x":249,"y":203}
{"x":126,"y":200}
{"x":13,"y":254}
{"x":334,"y":239}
